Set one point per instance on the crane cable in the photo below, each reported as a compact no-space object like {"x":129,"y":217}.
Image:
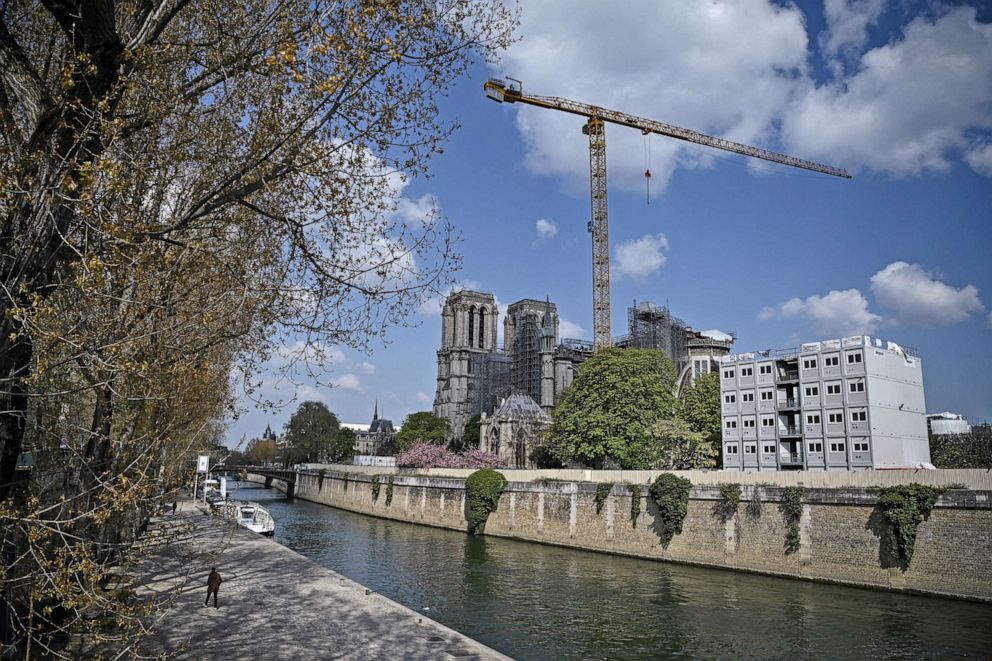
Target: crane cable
{"x":647,"y":165}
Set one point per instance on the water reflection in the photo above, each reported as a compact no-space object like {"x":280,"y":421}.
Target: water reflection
{"x":542,"y":602}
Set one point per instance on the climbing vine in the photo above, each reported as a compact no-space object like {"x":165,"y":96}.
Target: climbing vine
{"x":730,"y":499}
{"x":483,"y":489}
{"x":376,"y":484}
{"x":792,"y":509}
{"x":320,"y":478}
{"x":603,"y":490}
{"x":389,"y":491}
{"x":635,"y":503}
{"x":905,"y":507}
{"x":671,"y":494}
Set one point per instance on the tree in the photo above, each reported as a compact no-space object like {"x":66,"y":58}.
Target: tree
{"x":677,"y":447}
{"x":344,"y":446}
{"x":606,"y":415}
{"x":701,"y":406}
{"x":972,"y":450}
{"x":423,"y":426}
{"x":261,"y":451}
{"x":311,"y":433}
{"x":470,"y":439}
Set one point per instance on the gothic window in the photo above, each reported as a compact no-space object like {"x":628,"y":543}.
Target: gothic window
{"x":482,"y":327}
{"x":471,"y":326}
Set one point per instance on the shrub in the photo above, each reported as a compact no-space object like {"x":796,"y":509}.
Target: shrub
{"x":754,"y":505}
{"x":635,"y":503}
{"x":792,"y":509}
{"x":482,"y":489}
{"x":904,"y":508}
{"x":376,"y":484}
{"x":603,"y":490}
{"x":389,"y":491}
{"x":671,"y":494}
{"x":481,"y":459}
{"x":730,"y":499}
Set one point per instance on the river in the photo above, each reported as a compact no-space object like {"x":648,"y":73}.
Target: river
{"x":532,"y":601}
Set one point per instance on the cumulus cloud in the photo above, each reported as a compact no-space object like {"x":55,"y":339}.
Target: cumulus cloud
{"x":847,"y":23}
{"x":641,"y":257}
{"x":684,"y":63}
{"x":980,"y":159}
{"x":569,"y":329}
{"x":909,"y":107}
{"x":835,"y":314}
{"x":917,"y":296}
{"x":348,"y":382}
{"x":424,"y":398}
{"x":546,"y":229}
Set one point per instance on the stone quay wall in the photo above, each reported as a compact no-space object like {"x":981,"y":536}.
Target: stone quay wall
{"x":842,"y":533}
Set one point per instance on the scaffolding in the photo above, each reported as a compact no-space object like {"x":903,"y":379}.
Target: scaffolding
{"x":491,"y":374}
{"x":525,"y":373}
{"x":652,"y":327}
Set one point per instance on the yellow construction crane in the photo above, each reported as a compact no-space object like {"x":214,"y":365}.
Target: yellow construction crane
{"x":595,"y":127}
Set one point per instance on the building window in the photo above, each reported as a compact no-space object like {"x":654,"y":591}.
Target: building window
{"x":748,"y":423}
{"x":732,"y":448}
{"x":835,"y":417}
{"x":813,"y":419}
{"x":860,"y":447}
{"x":747,"y":371}
{"x":831,"y":361}
{"x":854,"y":358}
{"x":768,"y":422}
{"x":750,"y":448}
{"x":767,"y":395}
{"x":837,"y":446}
{"x":730,"y":398}
{"x":859,"y":416}
{"x":812,"y":391}
{"x":809,"y":363}
{"x":833,"y":388}
{"x":747,"y":396}
{"x":728,"y":374}
{"x":857,"y":386}
{"x":768,"y":448}
{"x":731,"y":424}
{"x":764,"y":369}
{"x":816,"y":447}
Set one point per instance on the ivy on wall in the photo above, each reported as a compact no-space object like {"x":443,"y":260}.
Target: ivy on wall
{"x":320,"y":479}
{"x":603,"y":490}
{"x":482,"y":489}
{"x":792,"y":510}
{"x":376,"y":485}
{"x":635,"y":503}
{"x":905,"y":507}
{"x":389,"y":491}
{"x":730,"y":499}
{"x":671,"y":494}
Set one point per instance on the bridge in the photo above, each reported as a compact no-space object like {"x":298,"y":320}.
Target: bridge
{"x":270,"y":473}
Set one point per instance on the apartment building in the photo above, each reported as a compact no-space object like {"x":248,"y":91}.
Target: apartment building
{"x":853,"y":403}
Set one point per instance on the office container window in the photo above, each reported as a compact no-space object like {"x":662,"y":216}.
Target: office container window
{"x":767,"y":395}
{"x":764,"y":369}
{"x":831,"y":361}
{"x":768,"y":449}
{"x":809,"y":363}
{"x":854,"y":358}
{"x":747,"y":396}
{"x":816,"y":447}
{"x":747,"y":371}
{"x":860,"y":447}
{"x":812,"y":391}
{"x":813,"y":419}
{"x":748,"y":423}
{"x":728,"y":374}
{"x":835,"y":417}
{"x":837,"y":447}
{"x":750,"y":448}
{"x":768,"y":422}
{"x":857,"y":386}
{"x":833,"y":388}
{"x":859,"y":416}
{"x":730,"y":398}
{"x":732,"y":448}
{"x":731,"y":424}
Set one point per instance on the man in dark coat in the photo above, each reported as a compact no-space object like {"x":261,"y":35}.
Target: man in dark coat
{"x":174,"y":504}
{"x":213,"y":585}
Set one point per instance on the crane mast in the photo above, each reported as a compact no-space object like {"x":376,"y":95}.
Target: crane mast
{"x":595,"y":129}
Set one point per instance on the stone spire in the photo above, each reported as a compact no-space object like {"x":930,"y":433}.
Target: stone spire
{"x":375,"y":413}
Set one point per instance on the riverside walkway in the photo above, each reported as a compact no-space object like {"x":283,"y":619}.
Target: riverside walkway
{"x":274,"y":603}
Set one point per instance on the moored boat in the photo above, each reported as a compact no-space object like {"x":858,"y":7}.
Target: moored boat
{"x":252,"y":516}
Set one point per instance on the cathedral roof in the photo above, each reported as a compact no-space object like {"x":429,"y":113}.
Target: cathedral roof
{"x":521,"y":407}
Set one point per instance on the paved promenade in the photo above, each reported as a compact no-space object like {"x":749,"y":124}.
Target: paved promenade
{"x":274,"y":603}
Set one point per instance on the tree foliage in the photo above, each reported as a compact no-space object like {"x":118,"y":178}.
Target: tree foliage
{"x":677,"y":447}
{"x":671,"y":494}
{"x":261,"y":451}
{"x":470,"y":439}
{"x":424,"y":427}
{"x":343,"y":448}
{"x":973,"y":450}
{"x":311,"y":434}
{"x":905,"y":507}
{"x":606,"y":415}
{"x":482,"y":490}
{"x":701,"y":406}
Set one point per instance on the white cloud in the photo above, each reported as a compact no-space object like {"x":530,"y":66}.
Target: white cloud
{"x":432,"y":305}
{"x":424,"y":398}
{"x":422,"y":210}
{"x":640,"y":258}
{"x":980,"y":159}
{"x":684,"y":63}
{"x":910,"y":105}
{"x":546,"y":229}
{"x":569,"y":329}
{"x":348,"y":382}
{"x":847,"y":23}
{"x":364,"y":366}
{"x":917,"y":296}
{"x":836,"y":314}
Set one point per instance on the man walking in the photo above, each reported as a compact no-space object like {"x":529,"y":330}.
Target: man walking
{"x":213,"y":585}
{"x":174,"y":503}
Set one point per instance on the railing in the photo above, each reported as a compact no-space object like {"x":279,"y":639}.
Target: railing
{"x":788,"y":403}
{"x":788,"y":375}
{"x":791,"y":458}
{"x":788,"y":430}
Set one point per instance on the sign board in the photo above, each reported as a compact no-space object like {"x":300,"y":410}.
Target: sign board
{"x":202,"y":463}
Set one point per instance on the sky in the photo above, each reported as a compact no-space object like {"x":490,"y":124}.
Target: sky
{"x":898,"y":93}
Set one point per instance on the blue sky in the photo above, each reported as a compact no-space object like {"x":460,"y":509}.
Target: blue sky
{"x":898,"y":93}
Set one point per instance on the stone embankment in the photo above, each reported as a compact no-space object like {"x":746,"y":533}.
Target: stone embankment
{"x":842,"y":533}
{"x":275,"y":603}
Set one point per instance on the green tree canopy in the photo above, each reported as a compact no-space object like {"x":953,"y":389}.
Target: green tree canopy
{"x":470,"y":439}
{"x":607,"y":413}
{"x":261,"y":451}
{"x":677,"y":447}
{"x":344,"y":446}
{"x":311,"y":433}
{"x":701,"y":405}
{"x":423,"y":426}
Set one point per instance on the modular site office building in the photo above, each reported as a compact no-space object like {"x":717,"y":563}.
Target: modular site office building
{"x":853,"y":403}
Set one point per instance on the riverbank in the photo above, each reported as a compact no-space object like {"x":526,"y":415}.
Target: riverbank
{"x":842,"y":535}
{"x":275,"y":603}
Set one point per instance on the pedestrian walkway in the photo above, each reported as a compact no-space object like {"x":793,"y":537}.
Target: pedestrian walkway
{"x":274,"y":603}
